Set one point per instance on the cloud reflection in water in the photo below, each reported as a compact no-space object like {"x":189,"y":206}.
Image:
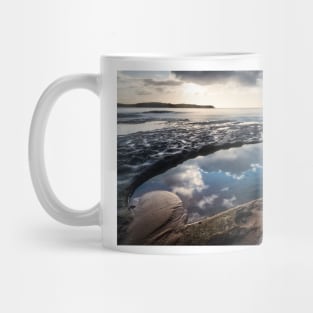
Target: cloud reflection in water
{"x":213,"y":183}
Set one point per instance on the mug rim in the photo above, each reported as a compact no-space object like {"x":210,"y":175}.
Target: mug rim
{"x":186,"y":56}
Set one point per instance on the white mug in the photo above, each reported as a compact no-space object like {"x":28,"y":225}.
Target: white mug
{"x":181,"y":152}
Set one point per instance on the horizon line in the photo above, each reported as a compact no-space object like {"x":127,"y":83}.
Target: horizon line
{"x":182,"y":103}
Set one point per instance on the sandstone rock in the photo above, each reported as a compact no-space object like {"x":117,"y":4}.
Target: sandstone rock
{"x":159,"y":218}
{"x":241,"y":225}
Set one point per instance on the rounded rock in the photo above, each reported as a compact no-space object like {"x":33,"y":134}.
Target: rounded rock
{"x":158,"y":219}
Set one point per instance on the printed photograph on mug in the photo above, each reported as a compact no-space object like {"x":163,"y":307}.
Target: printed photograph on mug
{"x":189,"y":157}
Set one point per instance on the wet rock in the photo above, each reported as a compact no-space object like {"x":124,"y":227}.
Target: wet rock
{"x":158,"y":218}
{"x":143,"y":155}
{"x":241,"y":225}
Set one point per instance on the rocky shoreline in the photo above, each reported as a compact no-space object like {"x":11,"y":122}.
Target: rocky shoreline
{"x":143,"y":155}
{"x":161,"y":219}
{"x":241,"y":225}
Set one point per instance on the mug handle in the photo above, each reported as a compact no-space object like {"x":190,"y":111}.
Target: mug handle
{"x":45,"y":194}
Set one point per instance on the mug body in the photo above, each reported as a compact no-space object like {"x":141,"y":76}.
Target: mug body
{"x":181,"y":144}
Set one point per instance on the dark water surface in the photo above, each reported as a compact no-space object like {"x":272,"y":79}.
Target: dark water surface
{"x":212,"y":183}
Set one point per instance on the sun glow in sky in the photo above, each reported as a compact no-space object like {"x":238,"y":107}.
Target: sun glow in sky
{"x":222,"y":89}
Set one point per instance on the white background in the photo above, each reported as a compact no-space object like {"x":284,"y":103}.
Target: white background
{"x":49,"y":267}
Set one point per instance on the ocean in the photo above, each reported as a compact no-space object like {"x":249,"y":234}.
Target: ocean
{"x":131,"y":120}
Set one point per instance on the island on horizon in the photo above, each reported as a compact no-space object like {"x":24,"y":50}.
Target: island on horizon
{"x":164,"y":105}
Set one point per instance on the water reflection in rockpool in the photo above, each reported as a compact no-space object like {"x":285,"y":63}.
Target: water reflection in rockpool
{"x":210,"y":184}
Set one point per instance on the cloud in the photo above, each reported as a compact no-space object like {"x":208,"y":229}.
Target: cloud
{"x":255,"y":166}
{"x":160,"y":89}
{"x":234,"y":160}
{"x":229,"y":203}
{"x":133,"y":84}
{"x":143,"y":92}
{"x":183,"y":191}
{"x":244,"y":78}
{"x":188,"y":182}
{"x":225,"y":189}
{"x":207,"y":201}
{"x":167,"y":82}
{"x":234,"y":176}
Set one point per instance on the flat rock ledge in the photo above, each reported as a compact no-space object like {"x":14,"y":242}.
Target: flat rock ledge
{"x":159,"y":218}
{"x":241,"y":225}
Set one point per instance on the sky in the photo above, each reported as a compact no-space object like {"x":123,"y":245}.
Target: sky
{"x":222,"y":89}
